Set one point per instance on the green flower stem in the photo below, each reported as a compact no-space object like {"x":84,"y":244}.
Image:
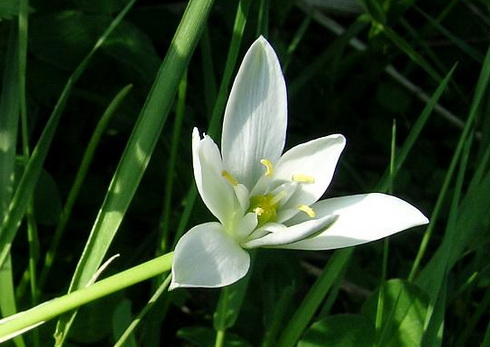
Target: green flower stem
{"x":11,"y":327}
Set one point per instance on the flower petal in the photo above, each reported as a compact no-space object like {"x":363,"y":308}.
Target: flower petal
{"x":207,"y":257}
{"x":314,"y":163}
{"x":280,"y":235}
{"x":216,"y":192}
{"x":255,"y":120}
{"x":245,"y":226}
{"x":361,"y":218}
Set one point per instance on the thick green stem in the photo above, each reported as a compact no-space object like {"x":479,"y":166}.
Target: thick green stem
{"x":17,"y":324}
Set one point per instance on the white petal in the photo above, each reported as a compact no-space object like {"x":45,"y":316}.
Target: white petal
{"x":316,"y":159}
{"x":255,"y":120}
{"x":243,"y":197}
{"x":245,"y":226}
{"x":216,"y":192}
{"x":281,"y":235}
{"x":207,"y":257}
{"x":361,"y":218}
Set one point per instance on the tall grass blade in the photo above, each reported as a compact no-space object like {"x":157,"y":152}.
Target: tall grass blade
{"x":9,"y":119}
{"x":301,"y":318}
{"x":139,"y":149}
{"x":29,"y":178}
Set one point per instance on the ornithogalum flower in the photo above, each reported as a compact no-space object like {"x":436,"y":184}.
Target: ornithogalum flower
{"x":263,"y":198}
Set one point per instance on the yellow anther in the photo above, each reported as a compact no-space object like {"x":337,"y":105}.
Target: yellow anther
{"x":303,"y":178}
{"x":308,"y":210}
{"x":228,"y":176}
{"x":269,"y":169}
{"x":259,"y":211}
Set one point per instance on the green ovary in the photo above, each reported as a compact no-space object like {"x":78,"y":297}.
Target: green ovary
{"x":265,"y":206}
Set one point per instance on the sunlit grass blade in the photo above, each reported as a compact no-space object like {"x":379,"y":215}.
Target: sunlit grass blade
{"x":26,"y":320}
{"x":134,"y":324}
{"x":29,"y":178}
{"x":32,"y":230}
{"x":157,"y":316}
{"x":139,"y":149}
{"x":9,"y":118}
{"x":78,"y":182}
{"x":9,"y":111}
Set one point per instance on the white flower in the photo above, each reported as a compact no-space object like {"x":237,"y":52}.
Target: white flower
{"x":263,"y":198}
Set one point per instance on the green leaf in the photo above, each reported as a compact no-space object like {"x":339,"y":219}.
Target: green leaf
{"x":339,"y":331}
{"x":230,"y":303}
{"x":8,"y":9}
{"x":121,"y":319}
{"x":315,"y":297}
{"x":95,"y":321}
{"x":404,"y":311}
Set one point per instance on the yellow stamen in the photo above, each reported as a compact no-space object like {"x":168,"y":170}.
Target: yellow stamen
{"x":303,"y":178}
{"x":308,"y":210}
{"x":269,"y":169}
{"x":259,"y":211}
{"x":228,"y":176}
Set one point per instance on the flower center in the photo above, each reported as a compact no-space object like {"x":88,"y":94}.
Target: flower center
{"x":265,"y":207}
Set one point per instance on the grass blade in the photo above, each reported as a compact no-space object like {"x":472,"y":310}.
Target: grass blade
{"x":29,"y":178}
{"x":138,"y":150}
{"x":314,"y":298}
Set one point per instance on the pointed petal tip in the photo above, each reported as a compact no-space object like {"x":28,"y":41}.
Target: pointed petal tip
{"x":257,"y":105}
{"x":262,"y":41}
{"x":362,"y":218}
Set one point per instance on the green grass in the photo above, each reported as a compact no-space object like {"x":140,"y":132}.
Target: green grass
{"x":97,"y":104}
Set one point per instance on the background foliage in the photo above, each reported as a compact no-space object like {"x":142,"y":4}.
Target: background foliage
{"x":366,"y":69}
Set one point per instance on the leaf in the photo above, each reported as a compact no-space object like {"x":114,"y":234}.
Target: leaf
{"x":95,"y":321}
{"x":404,"y":311}
{"x":230,"y":303}
{"x":340,"y":330}
{"x":121,"y":319}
